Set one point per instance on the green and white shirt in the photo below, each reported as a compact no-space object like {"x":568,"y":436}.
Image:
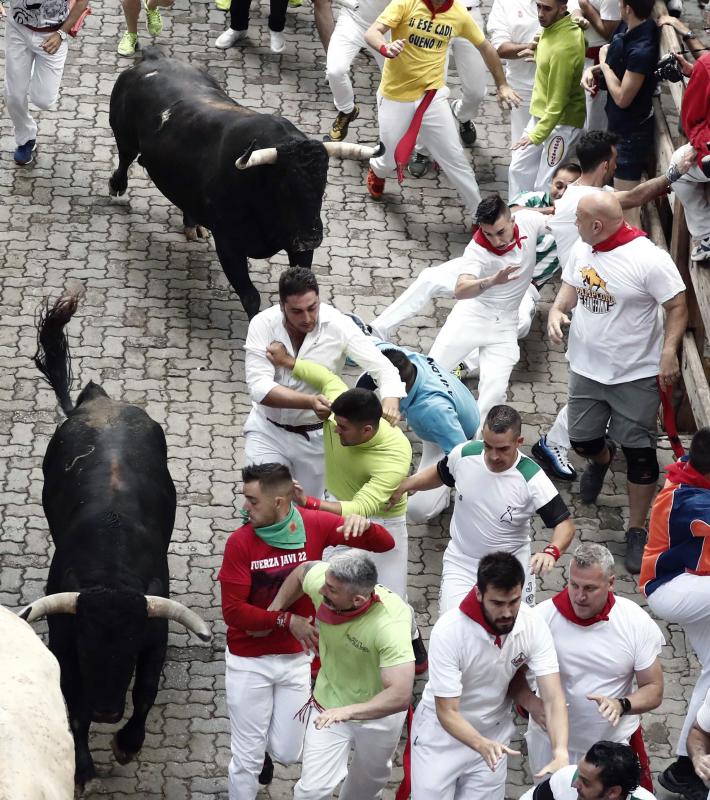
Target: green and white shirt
{"x":546,"y":260}
{"x":560,"y":787}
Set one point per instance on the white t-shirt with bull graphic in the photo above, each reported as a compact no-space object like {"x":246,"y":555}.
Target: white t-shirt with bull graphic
{"x":616,"y":334}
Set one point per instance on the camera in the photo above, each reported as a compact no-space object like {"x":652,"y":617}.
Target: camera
{"x":668,"y":69}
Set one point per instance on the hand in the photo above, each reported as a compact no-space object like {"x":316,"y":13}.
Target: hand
{"x":52,"y":43}
{"x":397,"y":495}
{"x":299,"y":495}
{"x":390,"y":410}
{"x":528,"y":54}
{"x":602,"y":54}
{"x":557,"y":763}
{"x":555,"y":320}
{"x":504,"y":275}
{"x":492,"y":752}
{"x":589,"y":81}
{"x":702,"y":767}
{"x":394,"y":48}
{"x":319,"y":403}
{"x":666,"y":19}
{"x":278,"y":355}
{"x":306,"y":634}
{"x":354,"y":525}
{"x":581,"y":22}
{"x":541,"y":564}
{"x":685,"y":66}
{"x":507,"y":98}
{"x":331,"y":716}
{"x":669,"y":371}
{"x":522,"y":142}
{"x":609,"y":707}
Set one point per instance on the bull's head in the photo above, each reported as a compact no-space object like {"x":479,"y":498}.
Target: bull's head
{"x":110,"y":630}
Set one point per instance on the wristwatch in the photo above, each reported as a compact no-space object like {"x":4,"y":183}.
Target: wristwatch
{"x":62,"y":34}
{"x":625,"y":705}
{"x":687,"y":35}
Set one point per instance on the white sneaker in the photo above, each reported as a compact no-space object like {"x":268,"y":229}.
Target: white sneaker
{"x":229,"y":38}
{"x":675,"y":7}
{"x":701,"y":251}
{"x":278,"y":41}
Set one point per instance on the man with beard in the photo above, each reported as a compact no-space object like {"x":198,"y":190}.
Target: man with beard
{"x":462,"y":727}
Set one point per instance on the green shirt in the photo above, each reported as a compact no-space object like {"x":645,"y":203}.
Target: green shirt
{"x":558,"y":98}
{"x":364,"y":476}
{"x":353,"y":653}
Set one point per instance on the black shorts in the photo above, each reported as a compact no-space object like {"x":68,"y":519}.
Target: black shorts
{"x":634,"y":151}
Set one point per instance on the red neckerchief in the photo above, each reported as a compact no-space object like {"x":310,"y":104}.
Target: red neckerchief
{"x":624,"y":234}
{"x":683,"y":472}
{"x":441,"y":10}
{"x":564,"y":605}
{"x":325,"y":614}
{"x":480,"y":238}
{"x":472,"y":608}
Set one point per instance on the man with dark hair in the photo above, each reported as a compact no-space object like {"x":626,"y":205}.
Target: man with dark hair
{"x":608,"y":771}
{"x":462,"y":727}
{"x":267,"y":671}
{"x":286,"y":420}
{"x":675,"y":577}
{"x":498,"y":490}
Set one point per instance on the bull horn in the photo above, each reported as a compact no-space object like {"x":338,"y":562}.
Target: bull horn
{"x":357,"y":151}
{"x":267,"y":155}
{"x":162,"y":608}
{"x":60,"y":603}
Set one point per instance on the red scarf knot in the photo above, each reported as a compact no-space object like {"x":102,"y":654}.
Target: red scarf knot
{"x":325,"y":614}
{"x":624,"y":234}
{"x":480,"y":238}
{"x":564,"y":605}
{"x":472,"y":608}
{"x":441,"y":10}
{"x":682,"y":472}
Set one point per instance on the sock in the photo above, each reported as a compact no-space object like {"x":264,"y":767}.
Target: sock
{"x":683,"y":767}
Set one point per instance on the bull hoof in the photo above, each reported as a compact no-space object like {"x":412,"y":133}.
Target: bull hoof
{"x":116,"y":187}
{"x":193,"y":233}
{"x":122,"y":756}
{"x":89,"y":787}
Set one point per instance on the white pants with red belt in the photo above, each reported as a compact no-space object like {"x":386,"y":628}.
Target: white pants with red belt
{"x":31,"y":76}
{"x":693,"y":189}
{"x":264,"y":696}
{"x":438,"y":133}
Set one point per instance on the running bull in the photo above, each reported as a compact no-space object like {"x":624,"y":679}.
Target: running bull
{"x":254,"y":180}
{"x":110,"y":503}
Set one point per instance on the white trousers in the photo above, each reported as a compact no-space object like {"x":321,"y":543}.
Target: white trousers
{"x":472,"y":71}
{"x":693,"y":189}
{"x":459,"y":575}
{"x":443,"y":768}
{"x":470,"y":325}
{"x":519,"y":118}
{"x":685,"y":600}
{"x":531,"y":168}
{"x":31,"y":76}
{"x":558,"y":435}
{"x":596,"y":114}
{"x":347,"y":41}
{"x":264,"y":696}
{"x":266,"y":443}
{"x":325,"y":758}
{"x":540,"y":749}
{"x":424,"y":506}
{"x":438,"y":134}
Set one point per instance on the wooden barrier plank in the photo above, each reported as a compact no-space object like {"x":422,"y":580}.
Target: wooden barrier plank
{"x":696,"y":382}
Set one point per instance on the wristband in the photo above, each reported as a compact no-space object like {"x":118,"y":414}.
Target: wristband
{"x":384,"y":51}
{"x":312,"y":503}
{"x":553,"y":551}
{"x":284,"y":620}
{"x":625,"y":705}
{"x":672,"y":173}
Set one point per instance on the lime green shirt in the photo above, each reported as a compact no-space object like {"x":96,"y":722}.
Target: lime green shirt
{"x":352,"y":654}
{"x":557,"y":97}
{"x":364,"y":476}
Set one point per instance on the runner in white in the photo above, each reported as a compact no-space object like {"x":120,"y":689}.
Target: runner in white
{"x":498,"y":490}
{"x":285,"y":425}
{"x":463,"y":724}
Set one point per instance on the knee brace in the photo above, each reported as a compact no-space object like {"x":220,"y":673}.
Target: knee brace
{"x":641,"y":465}
{"x":590,"y":448}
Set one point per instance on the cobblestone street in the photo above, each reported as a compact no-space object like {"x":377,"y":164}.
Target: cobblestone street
{"x":160,"y":326}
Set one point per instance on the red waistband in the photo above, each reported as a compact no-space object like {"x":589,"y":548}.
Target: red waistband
{"x":48,"y":29}
{"x":593,"y":53}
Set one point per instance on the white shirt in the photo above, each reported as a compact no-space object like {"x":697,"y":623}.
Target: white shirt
{"x":562,"y":789}
{"x":563,"y":223}
{"x":481,"y":263}
{"x":515,"y":21}
{"x":364,"y":12}
{"x":703,"y":717}
{"x":492,"y":510}
{"x":464,"y":662}
{"x":334,"y":338}
{"x":601,"y":659}
{"x":616,"y":335}
{"x":608,"y":10}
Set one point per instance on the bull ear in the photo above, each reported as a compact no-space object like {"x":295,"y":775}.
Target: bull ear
{"x":60,"y":603}
{"x":162,"y":608}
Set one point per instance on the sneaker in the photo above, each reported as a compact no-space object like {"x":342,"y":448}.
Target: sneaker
{"x":635,"y":543}
{"x":153,"y":20}
{"x":339,"y":130}
{"x":675,"y":7}
{"x":553,"y":460}
{"x":468,"y":133}
{"x":277,"y":41}
{"x":364,"y":327}
{"x":419,"y":165}
{"x":459,"y":370}
{"x":267,"y":771}
{"x":128,"y":44}
{"x":375,"y":185}
{"x":684,"y":782}
{"x":701,"y":251}
{"x":229,"y":38}
{"x":295,"y":3}
{"x":592,"y":480}
{"x":421,"y":657}
{"x":25,"y":153}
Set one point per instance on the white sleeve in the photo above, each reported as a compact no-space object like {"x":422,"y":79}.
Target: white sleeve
{"x":609,"y":9}
{"x":363,"y":351}
{"x":260,"y":372}
{"x":454,"y":457}
{"x":703,"y":718}
{"x":649,"y":641}
{"x":497,"y":26}
{"x":444,"y":662}
{"x":474,"y":262}
{"x":541,"y":490}
{"x":569,"y":271}
{"x":663,"y":281}
{"x":543,"y":656}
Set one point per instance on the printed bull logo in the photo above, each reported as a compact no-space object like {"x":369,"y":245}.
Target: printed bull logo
{"x":593,"y":295}
{"x":592,"y":279}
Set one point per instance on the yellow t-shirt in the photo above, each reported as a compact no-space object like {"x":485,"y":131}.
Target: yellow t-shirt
{"x":427,"y":33}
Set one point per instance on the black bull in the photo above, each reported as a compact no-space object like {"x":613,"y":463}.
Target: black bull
{"x":110,"y":503}
{"x":190,"y":135}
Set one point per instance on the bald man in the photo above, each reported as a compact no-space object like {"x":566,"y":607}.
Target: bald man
{"x":616,"y":279}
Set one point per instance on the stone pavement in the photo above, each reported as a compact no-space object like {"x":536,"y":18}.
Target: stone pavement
{"x":160,"y":327}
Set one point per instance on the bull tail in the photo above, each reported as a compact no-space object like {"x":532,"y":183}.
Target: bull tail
{"x":53,"y":358}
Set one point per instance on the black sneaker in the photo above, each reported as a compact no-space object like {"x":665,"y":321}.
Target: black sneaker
{"x":25,"y":153}
{"x":267,"y":771}
{"x":635,"y":543}
{"x":419,"y":165}
{"x":592,"y":480}
{"x":468,"y":133}
{"x":421,"y":657}
{"x":339,"y":130}
{"x":682,"y":782}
